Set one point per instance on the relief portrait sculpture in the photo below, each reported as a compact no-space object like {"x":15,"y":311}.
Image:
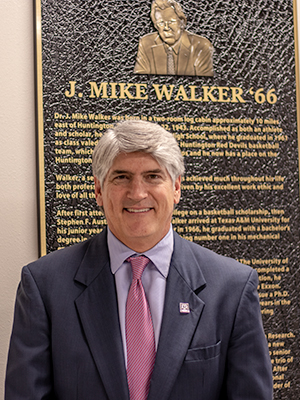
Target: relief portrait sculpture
{"x":173,"y":50}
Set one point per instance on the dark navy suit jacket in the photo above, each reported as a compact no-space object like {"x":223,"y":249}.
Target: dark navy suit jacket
{"x":66,"y":341}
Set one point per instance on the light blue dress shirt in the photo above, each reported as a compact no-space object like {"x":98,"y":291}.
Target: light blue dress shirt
{"x":153,"y":278}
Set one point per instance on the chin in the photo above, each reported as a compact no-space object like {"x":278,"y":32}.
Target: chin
{"x":169,"y":41}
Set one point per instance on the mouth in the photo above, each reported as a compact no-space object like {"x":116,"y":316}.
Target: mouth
{"x":168,"y":35}
{"x":137,"y":210}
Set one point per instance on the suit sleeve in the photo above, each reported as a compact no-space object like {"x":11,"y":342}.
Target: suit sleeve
{"x":249,"y":370}
{"x":29,"y":375}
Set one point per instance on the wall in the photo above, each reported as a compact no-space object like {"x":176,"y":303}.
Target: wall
{"x":18,"y":201}
{"x":18,"y":204}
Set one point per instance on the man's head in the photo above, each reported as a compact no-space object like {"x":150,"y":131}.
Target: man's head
{"x":138,"y":136}
{"x":137,"y":168}
{"x":169,"y":19}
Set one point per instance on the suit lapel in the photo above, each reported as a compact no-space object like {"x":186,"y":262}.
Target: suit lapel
{"x":159,"y":57}
{"x":177,"y":328}
{"x":184,"y":54}
{"x":98,"y":303}
{"x":98,"y":312}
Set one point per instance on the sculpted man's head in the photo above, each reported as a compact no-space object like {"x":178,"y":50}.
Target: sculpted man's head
{"x":137,"y":168}
{"x":169,"y":20}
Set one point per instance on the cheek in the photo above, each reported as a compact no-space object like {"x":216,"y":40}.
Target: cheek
{"x":113,"y":200}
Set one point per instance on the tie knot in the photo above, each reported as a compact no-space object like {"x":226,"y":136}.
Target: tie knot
{"x":138,"y":264}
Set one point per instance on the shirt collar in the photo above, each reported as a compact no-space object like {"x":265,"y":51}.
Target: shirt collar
{"x":160,"y":254}
{"x":175,"y":47}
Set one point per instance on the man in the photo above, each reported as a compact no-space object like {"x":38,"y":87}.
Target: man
{"x":174,"y":50}
{"x":197,"y":332}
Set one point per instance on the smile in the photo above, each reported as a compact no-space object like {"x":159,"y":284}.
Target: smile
{"x":134,"y":210}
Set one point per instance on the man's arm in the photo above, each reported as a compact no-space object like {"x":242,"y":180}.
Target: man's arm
{"x":249,"y":370}
{"x":142,"y":65}
{"x":29,"y":372}
{"x":204,"y":57}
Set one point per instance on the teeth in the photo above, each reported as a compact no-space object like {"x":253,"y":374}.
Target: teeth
{"x":133,"y":210}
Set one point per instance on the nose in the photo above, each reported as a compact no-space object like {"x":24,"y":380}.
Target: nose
{"x":166,"y":26}
{"x":137,"y":190}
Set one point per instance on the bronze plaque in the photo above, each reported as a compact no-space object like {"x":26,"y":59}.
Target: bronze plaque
{"x":221,"y":76}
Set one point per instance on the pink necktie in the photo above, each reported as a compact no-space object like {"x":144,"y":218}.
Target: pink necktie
{"x":139,"y":334}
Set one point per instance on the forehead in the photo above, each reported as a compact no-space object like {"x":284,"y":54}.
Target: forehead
{"x":135,"y":162}
{"x":166,"y":14}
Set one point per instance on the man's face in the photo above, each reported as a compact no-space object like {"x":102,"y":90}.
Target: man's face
{"x":138,"y":198}
{"x":168,"y":25}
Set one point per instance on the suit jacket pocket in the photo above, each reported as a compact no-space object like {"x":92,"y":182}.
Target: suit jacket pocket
{"x":203,"y":353}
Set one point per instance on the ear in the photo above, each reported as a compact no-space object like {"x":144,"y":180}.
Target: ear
{"x":177,"y":190}
{"x":98,"y":192}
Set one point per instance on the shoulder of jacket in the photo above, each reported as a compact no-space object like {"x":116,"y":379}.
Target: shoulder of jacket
{"x":197,"y":39}
{"x":149,"y":39}
{"x":66,"y":259}
{"x":211,"y":262}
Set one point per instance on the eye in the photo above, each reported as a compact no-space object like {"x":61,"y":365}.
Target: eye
{"x":120,"y":178}
{"x":154,"y":178}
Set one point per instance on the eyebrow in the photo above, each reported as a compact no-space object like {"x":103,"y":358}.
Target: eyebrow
{"x":151,"y":171}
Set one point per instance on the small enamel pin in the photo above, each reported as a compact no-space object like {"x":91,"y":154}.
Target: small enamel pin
{"x":184,"y":308}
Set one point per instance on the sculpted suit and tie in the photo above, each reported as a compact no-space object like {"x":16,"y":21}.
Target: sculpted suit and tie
{"x":198,"y":334}
{"x":173,"y":50}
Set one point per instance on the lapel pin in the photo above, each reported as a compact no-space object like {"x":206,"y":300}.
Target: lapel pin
{"x":184,"y":308}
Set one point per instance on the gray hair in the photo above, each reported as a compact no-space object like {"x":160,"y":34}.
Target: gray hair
{"x":135,"y":135}
{"x":162,"y":5}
